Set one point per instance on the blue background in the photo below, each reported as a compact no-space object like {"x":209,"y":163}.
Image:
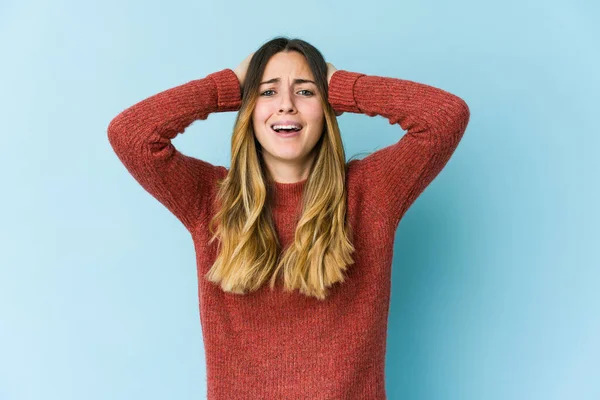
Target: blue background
{"x":496,"y":265}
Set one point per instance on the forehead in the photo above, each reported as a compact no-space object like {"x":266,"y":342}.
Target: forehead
{"x":286,"y":65}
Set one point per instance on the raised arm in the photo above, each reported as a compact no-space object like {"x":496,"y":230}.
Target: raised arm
{"x":141,"y":137}
{"x":434,"y":119}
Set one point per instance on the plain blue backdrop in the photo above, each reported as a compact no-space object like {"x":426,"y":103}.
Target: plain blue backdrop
{"x":496,"y":265}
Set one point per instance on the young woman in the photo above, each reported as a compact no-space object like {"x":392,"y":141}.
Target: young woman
{"x":293,"y":243}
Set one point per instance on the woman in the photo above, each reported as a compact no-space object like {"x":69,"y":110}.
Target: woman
{"x":290,"y":209}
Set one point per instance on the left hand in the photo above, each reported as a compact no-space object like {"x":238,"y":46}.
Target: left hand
{"x":330,"y":70}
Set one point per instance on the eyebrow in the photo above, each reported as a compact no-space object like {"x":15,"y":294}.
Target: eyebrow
{"x":296,"y":81}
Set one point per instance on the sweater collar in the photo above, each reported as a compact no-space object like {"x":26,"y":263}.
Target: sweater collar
{"x":288,"y":193}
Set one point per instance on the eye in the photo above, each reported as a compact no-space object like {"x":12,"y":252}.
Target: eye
{"x":310,"y":93}
{"x":263,"y":93}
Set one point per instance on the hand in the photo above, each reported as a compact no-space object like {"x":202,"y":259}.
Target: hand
{"x":330,"y":70}
{"x":241,"y":69}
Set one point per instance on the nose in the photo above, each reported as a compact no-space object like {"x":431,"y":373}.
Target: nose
{"x":287,"y":103}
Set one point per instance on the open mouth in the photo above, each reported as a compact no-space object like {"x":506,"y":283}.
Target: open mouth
{"x":291,"y":131}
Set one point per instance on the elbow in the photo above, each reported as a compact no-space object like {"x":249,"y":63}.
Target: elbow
{"x":464,"y":116}
{"x":458,"y":121}
{"x":462,"y":110}
{"x":113,"y":132}
{"x":461,"y":121}
{"x":465,"y":113}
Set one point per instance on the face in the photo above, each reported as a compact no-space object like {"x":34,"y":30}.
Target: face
{"x":288,"y":157}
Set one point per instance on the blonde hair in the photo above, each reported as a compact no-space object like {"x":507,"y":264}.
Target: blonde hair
{"x":249,"y":249}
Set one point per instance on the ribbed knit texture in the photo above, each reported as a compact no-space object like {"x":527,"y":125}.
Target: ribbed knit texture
{"x":277,"y":345}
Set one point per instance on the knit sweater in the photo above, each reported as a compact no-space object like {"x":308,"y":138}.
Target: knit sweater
{"x":285,"y":345}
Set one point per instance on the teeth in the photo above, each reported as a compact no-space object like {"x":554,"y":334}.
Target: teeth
{"x":278,"y":127}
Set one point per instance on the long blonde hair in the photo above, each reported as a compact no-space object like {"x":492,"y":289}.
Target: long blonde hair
{"x":249,"y":252}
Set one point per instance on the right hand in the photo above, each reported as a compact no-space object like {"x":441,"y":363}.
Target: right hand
{"x":241,"y":69}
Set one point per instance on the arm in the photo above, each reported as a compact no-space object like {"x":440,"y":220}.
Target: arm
{"x":141,"y":137}
{"x":435,"y":121}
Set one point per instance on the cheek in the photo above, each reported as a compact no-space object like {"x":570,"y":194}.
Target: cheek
{"x":261,"y":115}
{"x":257,"y":113}
{"x":258,"y":119}
{"x":312,"y":112}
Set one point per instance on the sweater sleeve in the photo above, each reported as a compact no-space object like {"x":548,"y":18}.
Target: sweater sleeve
{"x":141,"y":137}
{"x":434,"y":119}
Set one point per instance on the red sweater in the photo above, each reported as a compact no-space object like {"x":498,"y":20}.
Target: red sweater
{"x":273,"y":344}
